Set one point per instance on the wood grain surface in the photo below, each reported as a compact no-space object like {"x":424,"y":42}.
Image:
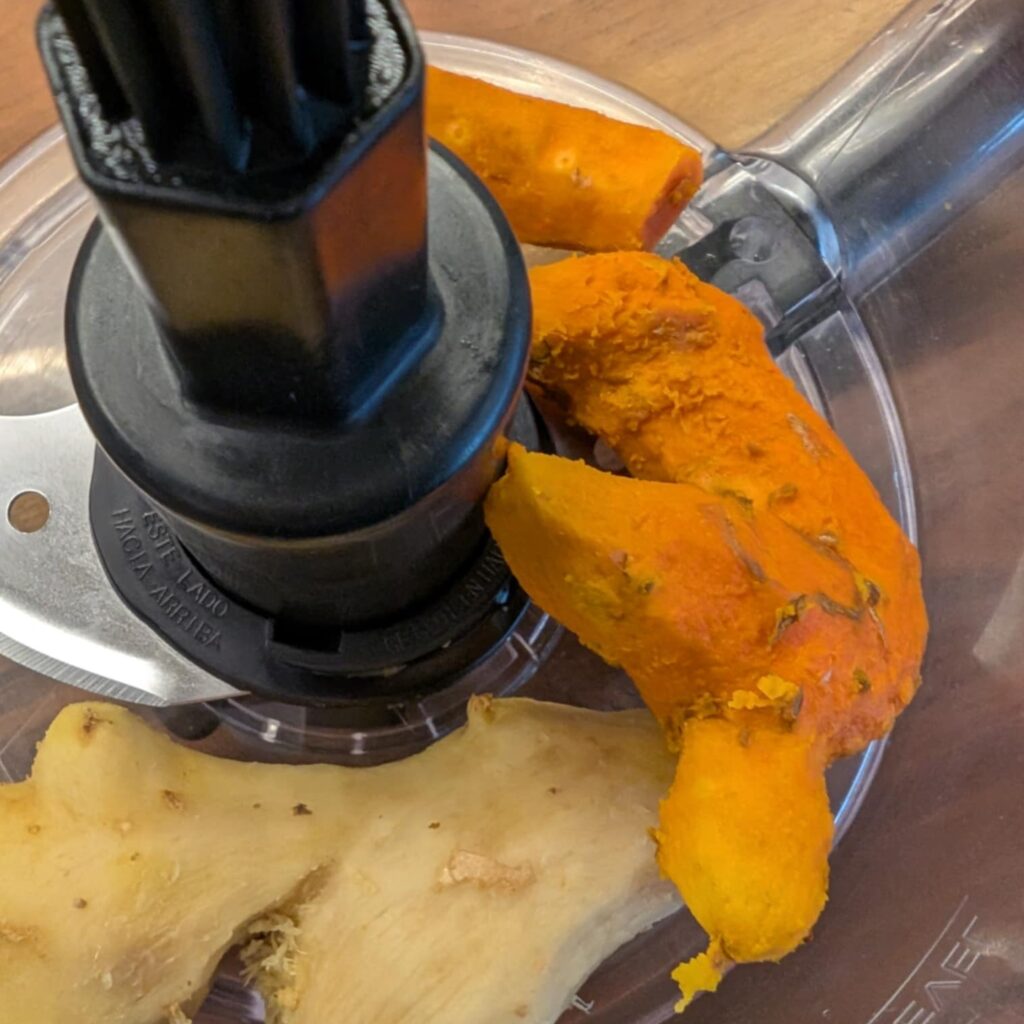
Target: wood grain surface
{"x":730,"y":67}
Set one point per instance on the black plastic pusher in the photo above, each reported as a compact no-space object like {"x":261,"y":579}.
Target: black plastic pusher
{"x":298,"y":335}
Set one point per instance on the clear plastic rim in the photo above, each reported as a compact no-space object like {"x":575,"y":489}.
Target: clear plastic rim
{"x":294,"y":731}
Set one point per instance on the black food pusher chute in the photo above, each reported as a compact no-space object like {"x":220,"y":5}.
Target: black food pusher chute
{"x":298,"y":336}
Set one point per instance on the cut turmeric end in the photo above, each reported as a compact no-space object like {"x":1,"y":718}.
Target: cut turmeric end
{"x":564,"y":176}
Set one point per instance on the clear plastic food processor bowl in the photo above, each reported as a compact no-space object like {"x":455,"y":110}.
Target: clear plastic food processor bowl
{"x":925,"y":920}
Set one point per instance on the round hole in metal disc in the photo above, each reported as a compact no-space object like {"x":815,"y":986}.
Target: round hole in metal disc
{"x":29,"y":512}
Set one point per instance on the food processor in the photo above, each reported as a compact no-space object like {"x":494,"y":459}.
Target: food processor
{"x":276,"y":549}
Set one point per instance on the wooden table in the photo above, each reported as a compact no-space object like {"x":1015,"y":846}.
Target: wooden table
{"x":731,"y":67}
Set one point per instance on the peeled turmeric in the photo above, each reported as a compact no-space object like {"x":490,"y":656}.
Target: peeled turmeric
{"x":751,"y":583}
{"x":565,"y":176}
{"x":748,"y":841}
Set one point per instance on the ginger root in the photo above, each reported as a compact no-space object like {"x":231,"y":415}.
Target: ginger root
{"x":480,"y":880}
{"x":565,"y":177}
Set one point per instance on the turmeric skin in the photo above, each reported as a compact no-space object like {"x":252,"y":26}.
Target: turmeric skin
{"x":565,"y":176}
{"x":674,"y":376}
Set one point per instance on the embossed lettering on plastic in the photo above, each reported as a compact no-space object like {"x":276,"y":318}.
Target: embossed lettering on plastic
{"x":132,"y":548}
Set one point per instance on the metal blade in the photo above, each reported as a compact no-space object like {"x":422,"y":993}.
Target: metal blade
{"x":58,"y":613}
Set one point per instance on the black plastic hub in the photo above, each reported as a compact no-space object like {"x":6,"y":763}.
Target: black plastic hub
{"x":295,"y":286}
{"x":368,"y":668}
{"x":347,"y":525}
{"x":289,"y":385}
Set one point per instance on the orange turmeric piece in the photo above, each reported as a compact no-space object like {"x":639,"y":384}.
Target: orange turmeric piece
{"x":565,"y":176}
{"x":746,"y":832}
{"x":674,"y":376}
{"x":746,"y":638}
{"x":712,"y":607}
{"x":747,"y":577}
{"x":684,"y":589}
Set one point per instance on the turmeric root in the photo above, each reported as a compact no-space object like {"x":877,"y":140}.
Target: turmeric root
{"x":674,"y":376}
{"x":748,"y":843}
{"x":704,"y":602}
{"x":748,"y":640}
{"x":752,"y":584}
{"x":565,"y":176}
